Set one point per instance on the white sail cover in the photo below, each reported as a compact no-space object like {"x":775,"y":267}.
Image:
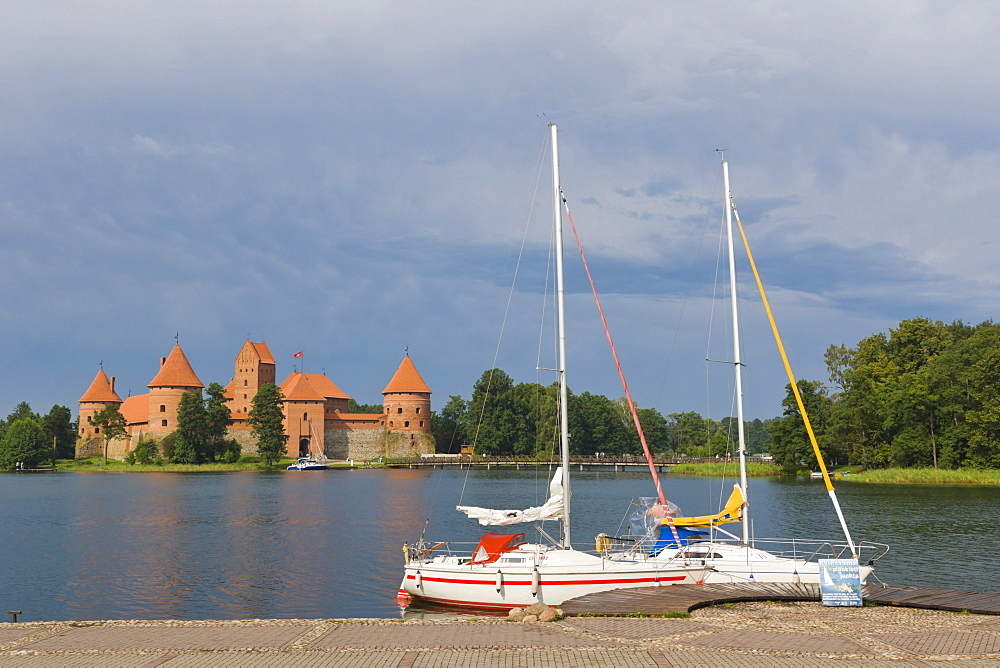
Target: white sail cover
{"x":552,"y":509}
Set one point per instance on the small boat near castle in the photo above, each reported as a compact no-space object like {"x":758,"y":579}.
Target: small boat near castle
{"x":317,"y":463}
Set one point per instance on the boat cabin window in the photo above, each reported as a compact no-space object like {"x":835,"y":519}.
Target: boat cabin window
{"x":700,"y":553}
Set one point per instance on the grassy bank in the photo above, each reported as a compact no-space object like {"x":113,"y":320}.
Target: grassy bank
{"x":727,"y":469}
{"x":929,"y":476}
{"x":96,"y":465}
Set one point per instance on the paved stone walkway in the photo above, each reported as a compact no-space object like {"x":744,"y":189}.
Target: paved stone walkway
{"x":745,"y":634}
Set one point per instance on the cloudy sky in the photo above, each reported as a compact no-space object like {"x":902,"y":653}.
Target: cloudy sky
{"x":352,"y":179}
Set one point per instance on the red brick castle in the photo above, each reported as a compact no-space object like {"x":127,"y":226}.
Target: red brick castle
{"x":315,"y":409}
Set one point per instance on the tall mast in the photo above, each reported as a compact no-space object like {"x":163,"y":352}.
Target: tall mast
{"x":737,"y":362}
{"x":561,"y":324}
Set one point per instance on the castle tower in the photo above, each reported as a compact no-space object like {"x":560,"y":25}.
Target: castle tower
{"x":101,"y":393}
{"x":254,"y":366}
{"x":407,"y":400}
{"x":305,"y":416}
{"x":165,"y":390}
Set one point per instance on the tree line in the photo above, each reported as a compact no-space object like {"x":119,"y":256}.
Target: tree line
{"x":927,"y":394}
{"x":32,"y":439}
{"x":503,"y":418}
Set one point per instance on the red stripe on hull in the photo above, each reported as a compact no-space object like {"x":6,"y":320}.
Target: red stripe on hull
{"x":551,"y":583}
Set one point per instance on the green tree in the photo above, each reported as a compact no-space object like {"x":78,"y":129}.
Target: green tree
{"x":596,"y":424}
{"x":218,"y":419}
{"x":144,"y":453}
{"x":59,"y":425}
{"x":790,"y":444}
{"x":493,"y":420}
{"x":448,"y":424}
{"x":110,"y":424}
{"x":267,"y":422}
{"x":354,"y":407}
{"x":23,"y":441}
{"x":192,"y":445}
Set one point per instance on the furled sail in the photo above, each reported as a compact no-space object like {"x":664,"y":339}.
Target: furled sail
{"x":552,"y":509}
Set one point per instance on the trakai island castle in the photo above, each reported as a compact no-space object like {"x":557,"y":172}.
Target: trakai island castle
{"x":315,"y":410}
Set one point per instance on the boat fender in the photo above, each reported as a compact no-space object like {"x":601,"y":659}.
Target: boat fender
{"x":418,"y":580}
{"x":536,"y":581}
{"x":499,"y":580}
{"x":795,"y":578}
{"x":406,"y":554}
{"x":602,"y":544}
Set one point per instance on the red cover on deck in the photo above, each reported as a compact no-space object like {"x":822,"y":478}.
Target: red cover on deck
{"x":492,"y":545}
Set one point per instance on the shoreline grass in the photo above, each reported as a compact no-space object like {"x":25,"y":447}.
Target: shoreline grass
{"x":96,"y":465}
{"x":964,"y":476}
{"x":727,"y":469}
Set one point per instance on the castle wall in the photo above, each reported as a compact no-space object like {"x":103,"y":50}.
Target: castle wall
{"x":94,"y":447}
{"x":369,"y":444}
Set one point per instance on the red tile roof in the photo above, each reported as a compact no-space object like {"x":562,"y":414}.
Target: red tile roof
{"x":407,"y":379}
{"x":371,"y":417}
{"x":100,"y":390}
{"x":136,"y":409}
{"x":263,"y":352}
{"x":176,"y":371}
{"x":298,"y":388}
{"x":320,"y":383}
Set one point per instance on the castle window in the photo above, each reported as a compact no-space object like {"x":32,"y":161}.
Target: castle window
{"x":391,"y":423}
{"x":406,"y":424}
{"x":305,"y":416}
{"x":418,"y":409}
{"x":245,"y":382}
{"x":244,"y":396}
{"x":97,"y":430}
{"x":81,"y":431}
{"x":399,"y":410}
{"x":163,"y":409}
{"x":421,"y":423}
{"x":88,"y":417}
{"x":163,"y":423}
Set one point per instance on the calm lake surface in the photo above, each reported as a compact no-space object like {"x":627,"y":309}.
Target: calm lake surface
{"x":320,"y":544}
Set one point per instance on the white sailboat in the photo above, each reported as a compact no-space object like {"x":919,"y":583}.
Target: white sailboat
{"x":741,"y":557}
{"x":503,"y":570}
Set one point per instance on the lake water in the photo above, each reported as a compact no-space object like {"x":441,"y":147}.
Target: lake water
{"x":81,"y":546}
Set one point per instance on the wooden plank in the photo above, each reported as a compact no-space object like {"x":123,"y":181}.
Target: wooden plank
{"x":664,"y":599}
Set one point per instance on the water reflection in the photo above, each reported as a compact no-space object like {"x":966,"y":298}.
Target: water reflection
{"x":236,"y":546}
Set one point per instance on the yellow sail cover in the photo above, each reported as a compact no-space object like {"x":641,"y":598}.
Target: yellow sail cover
{"x":733,"y":512}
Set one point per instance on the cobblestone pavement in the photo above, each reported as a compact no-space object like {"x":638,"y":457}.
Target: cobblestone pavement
{"x":744,"y":634}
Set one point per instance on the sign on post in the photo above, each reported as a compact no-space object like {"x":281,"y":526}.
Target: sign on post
{"x":840,"y":582}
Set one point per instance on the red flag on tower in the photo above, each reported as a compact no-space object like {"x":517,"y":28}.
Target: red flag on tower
{"x":298,"y":354}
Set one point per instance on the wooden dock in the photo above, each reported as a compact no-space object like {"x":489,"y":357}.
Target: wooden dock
{"x":685,"y":598}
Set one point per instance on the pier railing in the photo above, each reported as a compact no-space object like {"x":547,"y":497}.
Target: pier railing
{"x":586,"y":461}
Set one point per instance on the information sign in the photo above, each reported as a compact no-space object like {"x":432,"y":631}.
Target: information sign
{"x":840,"y":582}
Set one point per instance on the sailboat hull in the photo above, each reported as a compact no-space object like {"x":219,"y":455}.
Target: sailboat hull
{"x":534,"y":574}
{"x":731,"y":563}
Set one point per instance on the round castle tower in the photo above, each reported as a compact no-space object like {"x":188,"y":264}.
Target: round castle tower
{"x":166,"y":389}
{"x":101,"y":393}
{"x":407,"y":400}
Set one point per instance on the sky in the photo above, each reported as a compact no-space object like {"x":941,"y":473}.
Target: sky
{"x":356,"y":181}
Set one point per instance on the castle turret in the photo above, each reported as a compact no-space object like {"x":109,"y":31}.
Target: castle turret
{"x":101,"y":393}
{"x":254,"y":366}
{"x":305,"y":416}
{"x":407,"y":400}
{"x":166,"y":389}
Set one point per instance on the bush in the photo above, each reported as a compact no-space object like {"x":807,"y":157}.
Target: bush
{"x":145,"y":452}
{"x":232,"y":451}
